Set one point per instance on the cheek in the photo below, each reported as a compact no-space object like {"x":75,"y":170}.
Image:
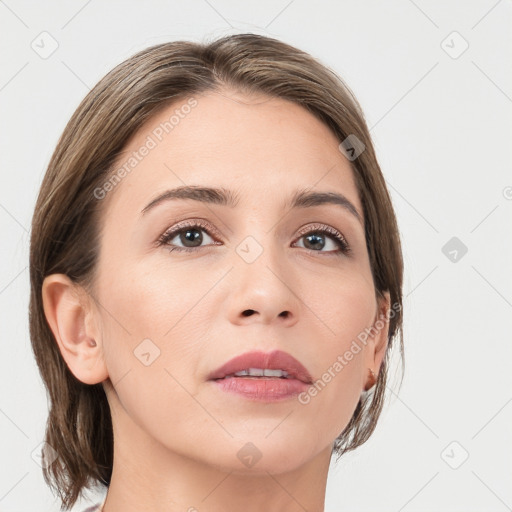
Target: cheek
{"x":346,"y":307}
{"x":153,"y":300}
{"x":151,"y":350}
{"x":343,"y":302}
{"x":154,"y":324}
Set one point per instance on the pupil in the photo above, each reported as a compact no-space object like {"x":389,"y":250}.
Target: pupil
{"x":192,"y":235}
{"x":318,"y":239}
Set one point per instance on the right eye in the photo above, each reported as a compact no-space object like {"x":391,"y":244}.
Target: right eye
{"x":189,"y":232}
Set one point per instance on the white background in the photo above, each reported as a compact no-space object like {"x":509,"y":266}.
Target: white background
{"x":442,"y":130}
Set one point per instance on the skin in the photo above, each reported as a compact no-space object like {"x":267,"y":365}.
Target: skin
{"x":176,"y":435}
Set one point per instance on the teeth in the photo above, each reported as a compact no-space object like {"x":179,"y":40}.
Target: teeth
{"x":259,"y":372}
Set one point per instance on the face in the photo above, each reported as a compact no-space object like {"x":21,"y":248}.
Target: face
{"x":186,"y":285}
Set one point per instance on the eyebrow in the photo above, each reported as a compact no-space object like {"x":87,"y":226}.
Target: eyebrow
{"x":301,"y":198}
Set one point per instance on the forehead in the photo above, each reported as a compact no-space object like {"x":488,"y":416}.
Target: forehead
{"x":258,"y":145}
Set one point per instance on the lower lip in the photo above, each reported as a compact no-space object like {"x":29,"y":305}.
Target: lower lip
{"x":262,"y":388}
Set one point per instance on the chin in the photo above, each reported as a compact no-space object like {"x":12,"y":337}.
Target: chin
{"x":261,"y":456}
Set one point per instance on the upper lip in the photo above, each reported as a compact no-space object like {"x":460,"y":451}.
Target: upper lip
{"x":276,"y":360}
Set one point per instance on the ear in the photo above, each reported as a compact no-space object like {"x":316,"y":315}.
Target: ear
{"x":378,"y":339}
{"x":68,"y":310}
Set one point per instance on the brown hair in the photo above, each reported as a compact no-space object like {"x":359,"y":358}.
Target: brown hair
{"x":65,"y":225}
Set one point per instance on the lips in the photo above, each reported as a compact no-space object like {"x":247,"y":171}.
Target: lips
{"x":276,"y":360}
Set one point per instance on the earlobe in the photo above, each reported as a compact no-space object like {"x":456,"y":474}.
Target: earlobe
{"x":69,"y":319}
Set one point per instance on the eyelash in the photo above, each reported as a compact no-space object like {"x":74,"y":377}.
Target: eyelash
{"x":340,"y":240}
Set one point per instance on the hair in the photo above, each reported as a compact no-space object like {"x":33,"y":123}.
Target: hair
{"x":66,"y":221}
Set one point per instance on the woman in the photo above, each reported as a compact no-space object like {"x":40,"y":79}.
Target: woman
{"x":216,"y":281}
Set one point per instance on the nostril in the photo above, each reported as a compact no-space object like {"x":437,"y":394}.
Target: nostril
{"x":248,"y":312}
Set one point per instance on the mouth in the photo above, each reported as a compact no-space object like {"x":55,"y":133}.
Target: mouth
{"x":276,"y":365}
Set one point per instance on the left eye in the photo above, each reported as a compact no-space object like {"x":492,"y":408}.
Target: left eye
{"x":316,"y":241}
{"x":315,"y":235}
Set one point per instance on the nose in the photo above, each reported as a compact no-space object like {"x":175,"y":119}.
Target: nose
{"x":264,"y":290}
